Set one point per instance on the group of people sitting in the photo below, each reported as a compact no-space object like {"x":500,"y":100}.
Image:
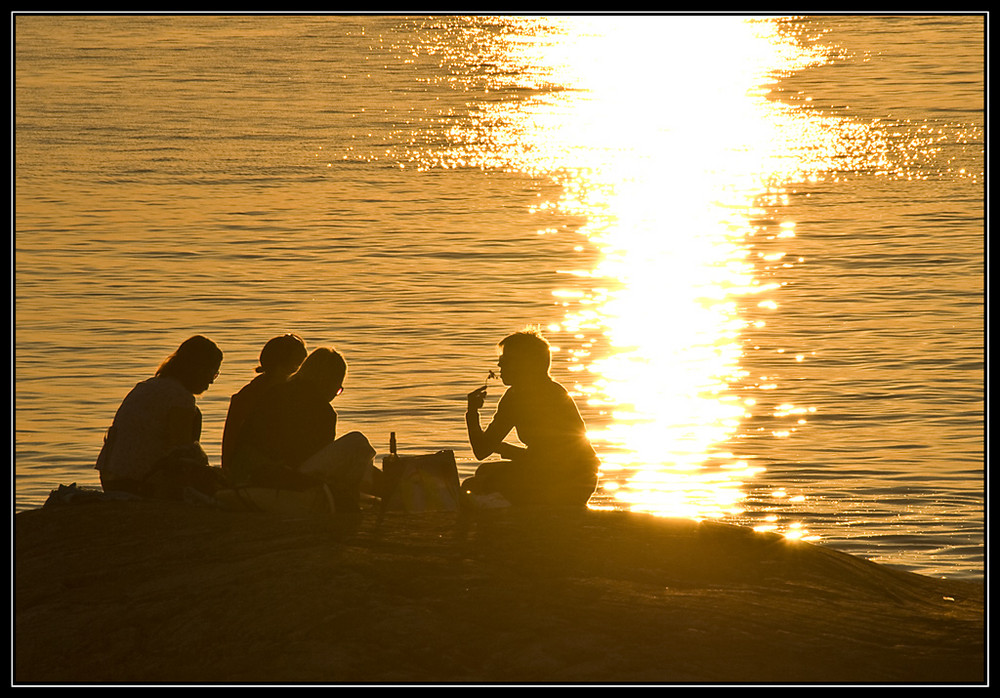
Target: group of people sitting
{"x":281,"y":430}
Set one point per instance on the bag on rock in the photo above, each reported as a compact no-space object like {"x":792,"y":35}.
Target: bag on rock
{"x":421,"y":483}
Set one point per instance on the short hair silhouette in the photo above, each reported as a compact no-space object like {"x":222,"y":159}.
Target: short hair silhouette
{"x":530,"y":346}
{"x":287,"y":350}
{"x":321,"y":365}
{"x":191,"y":362}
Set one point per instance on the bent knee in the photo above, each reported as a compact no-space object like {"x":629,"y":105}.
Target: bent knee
{"x":492,"y":467}
{"x":357,"y":440}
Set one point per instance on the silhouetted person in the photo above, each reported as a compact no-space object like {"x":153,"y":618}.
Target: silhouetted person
{"x":153,"y":446}
{"x":290,"y":439}
{"x":556,"y":464}
{"x":280,"y":358}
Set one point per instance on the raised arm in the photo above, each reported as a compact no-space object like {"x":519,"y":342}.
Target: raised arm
{"x":486,"y":443}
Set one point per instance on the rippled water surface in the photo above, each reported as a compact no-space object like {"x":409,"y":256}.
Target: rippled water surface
{"x":756,"y":245}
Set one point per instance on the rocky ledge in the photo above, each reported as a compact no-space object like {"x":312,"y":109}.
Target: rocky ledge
{"x":147,"y":592}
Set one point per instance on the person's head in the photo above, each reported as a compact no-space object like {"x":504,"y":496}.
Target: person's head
{"x":323,"y":370}
{"x":524,"y":354}
{"x":195,"y":364}
{"x":282,"y":355}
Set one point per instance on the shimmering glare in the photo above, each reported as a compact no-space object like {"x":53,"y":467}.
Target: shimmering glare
{"x":667,"y":196}
{"x":662,"y":134}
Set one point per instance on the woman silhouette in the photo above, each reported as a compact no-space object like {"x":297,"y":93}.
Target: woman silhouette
{"x":290,"y":441}
{"x":153,"y":446}
{"x":280,"y":358}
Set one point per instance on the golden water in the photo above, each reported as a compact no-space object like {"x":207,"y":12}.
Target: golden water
{"x":755,"y":244}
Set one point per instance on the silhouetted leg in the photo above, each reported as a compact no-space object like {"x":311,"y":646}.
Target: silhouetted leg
{"x":507,"y":478}
{"x":344,"y":465}
{"x":529,"y":483}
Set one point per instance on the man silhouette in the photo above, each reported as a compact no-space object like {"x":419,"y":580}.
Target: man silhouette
{"x":556,"y":465}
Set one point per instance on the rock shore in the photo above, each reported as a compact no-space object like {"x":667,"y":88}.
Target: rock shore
{"x":149,"y":592}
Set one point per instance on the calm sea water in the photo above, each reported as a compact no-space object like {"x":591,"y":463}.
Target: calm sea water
{"x":756,"y":245}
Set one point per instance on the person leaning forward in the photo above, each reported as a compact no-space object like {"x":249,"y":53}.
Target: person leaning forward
{"x":152,"y":448}
{"x":290,"y":440}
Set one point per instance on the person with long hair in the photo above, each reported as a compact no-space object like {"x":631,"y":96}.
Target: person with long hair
{"x":280,"y":358}
{"x":153,"y":448}
{"x":290,"y":440}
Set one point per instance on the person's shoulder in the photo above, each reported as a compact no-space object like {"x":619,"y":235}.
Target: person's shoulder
{"x":139,"y":392}
{"x":161,"y":391}
{"x":277,"y":394}
{"x":145,"y":385}
{"x":556,"y":385}
{"x":167,"y":385}
{"x":257,"y":386}
{"x":555,"y":388}
{"x":271,"y":402}
{"x":295,"y":397}
{"x":559,"y":397}
{"x":524,"y":395}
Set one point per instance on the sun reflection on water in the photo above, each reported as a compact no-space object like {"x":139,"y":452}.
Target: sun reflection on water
{"x":661,"y":133}
{"x":669,"y":207}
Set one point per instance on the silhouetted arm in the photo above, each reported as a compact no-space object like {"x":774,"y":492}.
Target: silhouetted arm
{"x":182,"y":428}
{"x":486,"y":443}
{"x":235,"y":418}
{"x":477,"y":437}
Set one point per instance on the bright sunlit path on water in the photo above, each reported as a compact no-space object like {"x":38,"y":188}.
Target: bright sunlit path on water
{"x":677,"y":150}
{"x":672,"y":223}
{"x":688,"y":144}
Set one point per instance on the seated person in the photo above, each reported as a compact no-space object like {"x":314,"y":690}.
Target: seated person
{"x":280,"y":358}
{"x":556,"y":464}
{"x":153,"y":446}
{"x":289,"y":440}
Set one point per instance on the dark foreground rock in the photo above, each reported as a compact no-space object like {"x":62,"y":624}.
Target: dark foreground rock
{"x":136,"y":592}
